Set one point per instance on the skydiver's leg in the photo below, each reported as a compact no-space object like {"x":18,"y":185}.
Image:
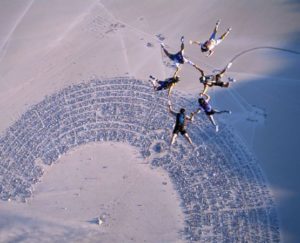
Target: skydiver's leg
{"x":182,"y":44}
{"x":182,"y":47}
{"x":154,"y":82}
{"x":174,"y":136}
{"x":220,"y":112}
{"x":188,"y":138}
{"x":167,"y":53}
{"x":218,"y":41}
{"x":221,"y":84}
{"x":211,"y":118}
{"x":153,"y":78}
{"x":213,"y":35}
{"x":225,"y":84}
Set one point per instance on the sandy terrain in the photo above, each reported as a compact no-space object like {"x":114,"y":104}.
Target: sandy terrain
{"x":46,"y":46}
{"x":107,"y":182}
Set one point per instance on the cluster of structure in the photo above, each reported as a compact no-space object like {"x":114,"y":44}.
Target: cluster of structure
{"x":222,"y":189}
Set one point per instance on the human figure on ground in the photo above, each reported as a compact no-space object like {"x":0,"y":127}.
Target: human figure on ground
{"x":181,"y":123}
{"x":208,"y":110}
{"x":213,"y":79}
{"x":178,"y":58}
{"x":210,"y":44}
{"x":168,"y":83}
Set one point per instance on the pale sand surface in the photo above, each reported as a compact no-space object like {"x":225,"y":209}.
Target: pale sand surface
{"x":109,"y":181}
{"x":48,"y":45}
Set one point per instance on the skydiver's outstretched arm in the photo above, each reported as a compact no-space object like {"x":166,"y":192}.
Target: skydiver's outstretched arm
{"x":170,"y":89}
{"x":177,"y":70}
{"x":170,"y":108}
{"x":199,"y":69}
{"x":207,"y":97}
{"x":197,"y":111}
{"x":190,"y":117}
{"x":205,"y":88}
{"x":195,"y":42}
{"x":205,"y":85}
{"x":225,"y":69}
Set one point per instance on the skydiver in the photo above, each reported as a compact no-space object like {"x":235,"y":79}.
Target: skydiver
{"x":210,"y":44}
{"x":178,"y":58}
{"x":208,"y":110}
{"x":213,"y":79}
{"x":168,"y":83}
{"x":181,"y":123}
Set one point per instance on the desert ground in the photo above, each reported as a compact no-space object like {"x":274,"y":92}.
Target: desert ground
{"x":112,"y":189}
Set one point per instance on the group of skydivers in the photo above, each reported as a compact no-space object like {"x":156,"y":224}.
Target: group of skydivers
{"x":207,"y":80}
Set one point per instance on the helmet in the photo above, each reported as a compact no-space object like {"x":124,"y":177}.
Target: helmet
{"x":182,"y":110}
{"x":202,"y":79}
{"x":201,"y":100}
{"x":204,"y":47}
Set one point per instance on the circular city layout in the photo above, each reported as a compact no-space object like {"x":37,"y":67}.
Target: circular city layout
{"x":222,"y":189}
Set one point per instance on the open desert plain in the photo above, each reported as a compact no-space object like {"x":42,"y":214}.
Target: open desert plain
{"x":85,"y":152}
